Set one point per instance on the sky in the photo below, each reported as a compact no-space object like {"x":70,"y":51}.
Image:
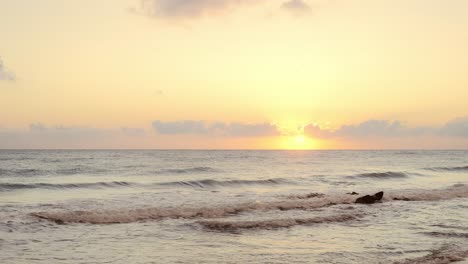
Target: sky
{"x":233,"y":74}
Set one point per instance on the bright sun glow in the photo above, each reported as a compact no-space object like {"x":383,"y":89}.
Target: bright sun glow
{"x":299,"y":139}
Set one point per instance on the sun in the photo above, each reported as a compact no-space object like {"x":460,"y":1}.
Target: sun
{"x":299,"y":139}
{"x":296,"y":142}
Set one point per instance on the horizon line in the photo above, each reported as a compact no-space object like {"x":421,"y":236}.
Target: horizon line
{"x":232,"y":149}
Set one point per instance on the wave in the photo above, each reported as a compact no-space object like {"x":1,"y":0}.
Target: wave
{"x":115,"y":184}
{"x":443,"y":255}
{"x":453,"y":192}
{"x":188,"y":170}
{"x":103,"y":216}
{"x":460,"y":168}
{"x":145,"y":214}
{"x":447,"y":234}
{"x":382,"y":175}
{"x":16,"y":158}
{"x":21,"y":172}
{"x":215,"y":183}
{"x":20,"y":186}
{"x":38,"y":172}
{"x":306,"y":196}
{"x":229,"y":226}
{"x":76,"y":170}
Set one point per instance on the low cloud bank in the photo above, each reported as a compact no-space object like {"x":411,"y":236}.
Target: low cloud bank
{"x":41,"y":136}
{"x":389,"y":129}
{"x":372,"y":134}
{"x":194,"y":127}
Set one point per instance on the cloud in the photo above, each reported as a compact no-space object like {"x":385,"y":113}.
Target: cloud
{"x":180,"y":127}
{"x":41,"y":136}
{"x":455,"y":128}
{"x":185,"y":8}
{"x":314,"y":130}
{"x":198,"y":8}
{"x":369,"y":128}
{"x":251,"y":130}
{"x":159,"y":93}
{"x":295,"y":6}
{"x":196,"y":134}
{"x":6,"y":75}
{"x":193,"y":127}
{"x":133,"y":132}
{"x":37,"y":127}
{"x":383,"y":128}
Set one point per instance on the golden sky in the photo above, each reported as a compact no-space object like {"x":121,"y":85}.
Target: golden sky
{"x":303,"y":74}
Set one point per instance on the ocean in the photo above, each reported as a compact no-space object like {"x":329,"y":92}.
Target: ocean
{"x":233,"y":206}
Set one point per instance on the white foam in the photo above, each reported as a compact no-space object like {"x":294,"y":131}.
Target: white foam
{"x":275,"y":223}
{"x":103,"y":216}
{"x":135,"y":215}
{"x":453,"y":192}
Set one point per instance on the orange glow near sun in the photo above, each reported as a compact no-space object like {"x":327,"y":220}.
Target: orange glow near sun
{"x":297,"y":142}
{"x":299,"y":139}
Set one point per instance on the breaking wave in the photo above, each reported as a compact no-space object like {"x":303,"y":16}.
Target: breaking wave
{"x":461,"y":168}
{"x":443,"y":255}
{"x":453,"y":192}
{"x":306,"y":196}
{"x":215,"y":183}
{"x":20,"y":186}
{"x":144,"y":214}
{"x":103,"y":216}
{"x":228,"y":226}
{"x":382,"y":175}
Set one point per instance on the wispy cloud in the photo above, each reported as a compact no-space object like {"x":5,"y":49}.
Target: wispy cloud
{"x":195,"y":127}
{"x":296,"y":6}
{"x":185,"y":8}
{"x":5,"y":74}
{"x":175,"y":9}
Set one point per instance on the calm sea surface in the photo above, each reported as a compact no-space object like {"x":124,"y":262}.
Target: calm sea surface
{"x":232,"y":207}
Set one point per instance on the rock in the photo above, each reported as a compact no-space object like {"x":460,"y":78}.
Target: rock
{"x":378,"y":196}
{"x":353,"y":193}
{"x":367,"y":199}
{"x":370,"y":199}
{"x":59,"y":222}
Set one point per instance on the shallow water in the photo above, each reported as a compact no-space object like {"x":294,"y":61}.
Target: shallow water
{"x":232,"y":207}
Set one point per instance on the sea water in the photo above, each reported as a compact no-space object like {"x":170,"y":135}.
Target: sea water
{"x":236,"y":206}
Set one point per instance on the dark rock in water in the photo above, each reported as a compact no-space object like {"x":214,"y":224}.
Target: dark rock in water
{"x":353,"y":193}
{"x":59,"y":222}
{"x":378,"y":196}
{"x":370,"y":199}
{"x":367,"y":199}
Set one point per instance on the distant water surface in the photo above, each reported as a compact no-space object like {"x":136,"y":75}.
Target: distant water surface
{"x":232,"y":206}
